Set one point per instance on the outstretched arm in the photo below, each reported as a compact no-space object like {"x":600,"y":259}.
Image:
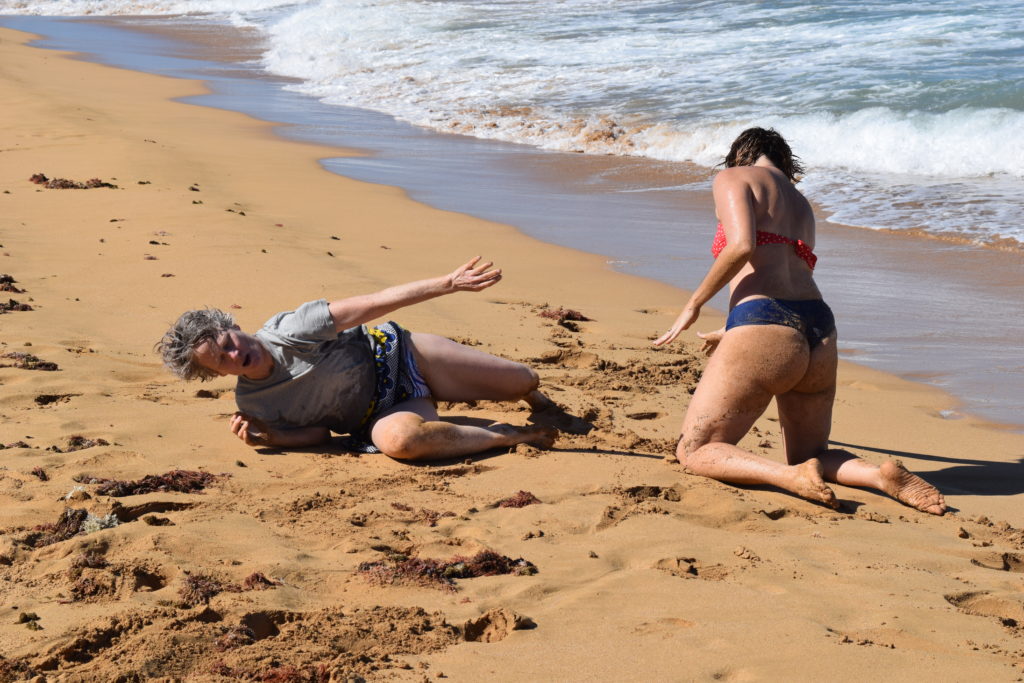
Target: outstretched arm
{"x":735,"y":205}
{"x":472,"y":276}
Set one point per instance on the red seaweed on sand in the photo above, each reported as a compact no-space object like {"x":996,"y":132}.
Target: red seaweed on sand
{"x":403,"y":569}
{"x":181,"y":481}
{"x":65,"y":184}
{"x":519,"y":500}
{"x":199,"y":588}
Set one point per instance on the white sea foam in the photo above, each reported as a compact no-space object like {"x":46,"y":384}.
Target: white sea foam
{"x":906,"y":114}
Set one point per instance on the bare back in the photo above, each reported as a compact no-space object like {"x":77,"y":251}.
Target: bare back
{"x":776,"y":206}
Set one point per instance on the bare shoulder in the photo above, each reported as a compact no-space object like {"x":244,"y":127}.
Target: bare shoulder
{"x":735,"y":179}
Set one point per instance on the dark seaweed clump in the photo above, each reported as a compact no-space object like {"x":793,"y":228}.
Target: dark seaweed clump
{"x":90,"y":559}
{"x":25,"y":361}
{"x":68,"y":526}
{"x":519,"y":500}
{"x":7,"y":284}
{"x":399,"y":568}
{"x":199,"y":588}
{"x":182,"y":481}
{"x":78,"y":443}
{"x":13,"y":305}
{"x":65,"y":184}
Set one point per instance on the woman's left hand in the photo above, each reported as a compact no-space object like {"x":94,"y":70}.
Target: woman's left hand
{"x":474,"y":276}
{"x":685,"y":319}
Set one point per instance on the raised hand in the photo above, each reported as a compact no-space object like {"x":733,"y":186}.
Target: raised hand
{"x":474,"y":276}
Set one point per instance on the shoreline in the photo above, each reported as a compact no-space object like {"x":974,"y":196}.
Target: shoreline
{"x":705,"y":566}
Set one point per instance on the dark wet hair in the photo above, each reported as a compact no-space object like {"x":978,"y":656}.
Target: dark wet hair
{"x":748,"y":147}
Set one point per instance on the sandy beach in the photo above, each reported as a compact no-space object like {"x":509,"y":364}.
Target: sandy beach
{"x":294,"y":566}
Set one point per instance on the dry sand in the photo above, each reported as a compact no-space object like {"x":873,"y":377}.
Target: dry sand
{"x":642,"y":572}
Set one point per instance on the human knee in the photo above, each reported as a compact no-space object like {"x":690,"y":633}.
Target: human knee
{"x":529,"y":378}
{"x":401,"y":441}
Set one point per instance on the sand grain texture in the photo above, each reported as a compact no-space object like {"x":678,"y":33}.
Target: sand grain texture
{"x":643,"y":572}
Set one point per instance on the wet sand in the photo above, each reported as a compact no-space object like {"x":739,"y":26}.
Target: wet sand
{"x":641,"y":571}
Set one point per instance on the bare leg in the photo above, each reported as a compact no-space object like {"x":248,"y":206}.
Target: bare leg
{"x":806,"y":416}
{"x":458,"y":373}
{"x":411,"y":430}
{"x":750,"y":365}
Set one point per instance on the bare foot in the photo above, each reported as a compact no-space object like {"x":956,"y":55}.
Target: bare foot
{"x":536,"y":435}
{"x":808,"y":483}
{"x":540,"y":403}
{"x":910,"y":489}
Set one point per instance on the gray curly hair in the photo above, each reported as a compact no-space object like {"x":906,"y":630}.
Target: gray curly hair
{"x":177,"y":348}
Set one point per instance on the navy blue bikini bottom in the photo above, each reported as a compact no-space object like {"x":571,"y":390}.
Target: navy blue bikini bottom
{"x":812,"y":317}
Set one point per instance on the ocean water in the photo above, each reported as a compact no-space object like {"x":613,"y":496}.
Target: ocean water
{"x":908,"y":115}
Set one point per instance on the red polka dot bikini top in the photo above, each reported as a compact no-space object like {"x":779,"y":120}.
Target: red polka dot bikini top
{"x":802,"y":250}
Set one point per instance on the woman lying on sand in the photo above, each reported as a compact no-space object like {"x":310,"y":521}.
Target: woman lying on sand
{"x":317,"y":369}
{"x":779,"y":340}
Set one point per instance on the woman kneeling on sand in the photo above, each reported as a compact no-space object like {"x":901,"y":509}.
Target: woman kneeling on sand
{"x":319,"y":369}
{"x":779,"y":340}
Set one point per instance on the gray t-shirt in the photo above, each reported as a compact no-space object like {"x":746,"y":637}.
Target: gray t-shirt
{"x":321,"y":377}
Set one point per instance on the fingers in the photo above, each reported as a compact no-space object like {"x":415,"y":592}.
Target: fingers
{"x":241,"y":424}
{"x":667,"y":337}
{"x":475,"y":276}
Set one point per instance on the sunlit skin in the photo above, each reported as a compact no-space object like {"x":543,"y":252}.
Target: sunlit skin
{"x":410,"y":429}
{"x":752,"y":364}
{"x":235,"y":353}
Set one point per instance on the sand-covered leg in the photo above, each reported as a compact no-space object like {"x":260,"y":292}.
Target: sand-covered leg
{"x":910,"y":489}
{"x":412,"y":431}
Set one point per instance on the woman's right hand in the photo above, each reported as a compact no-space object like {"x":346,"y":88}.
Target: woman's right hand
{"x":685,"y":319}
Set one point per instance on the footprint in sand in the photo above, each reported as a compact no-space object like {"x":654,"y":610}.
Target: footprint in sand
{"x":1004,"y":562}
{"x":1009,"y":610}
{"x":494,"y":625}
{"x":692,"y":568}
{"x":665,"y":627}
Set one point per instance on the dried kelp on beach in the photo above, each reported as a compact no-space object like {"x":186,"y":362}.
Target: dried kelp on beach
{"x":181,"y":481}
{"x":404,"y":569}
{"x":26,"y":361}
{"x":519,"y":500}
{"x":13,"y":305}
{"x":72,"y":522}
{"x":65,"y":184}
